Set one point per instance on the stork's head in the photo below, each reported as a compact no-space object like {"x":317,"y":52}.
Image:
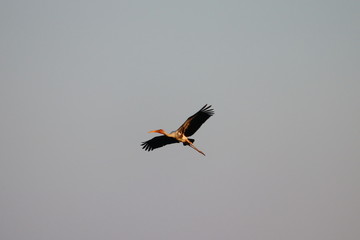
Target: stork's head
{"x":161,"y":131}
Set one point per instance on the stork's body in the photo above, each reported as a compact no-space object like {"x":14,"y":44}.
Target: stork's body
{"x":188,"y":128}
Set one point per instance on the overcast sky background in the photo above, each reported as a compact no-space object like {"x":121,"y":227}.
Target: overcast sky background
{"x":82,"y":82}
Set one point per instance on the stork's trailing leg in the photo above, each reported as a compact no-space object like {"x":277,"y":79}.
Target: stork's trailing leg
{"x":192,"y":145}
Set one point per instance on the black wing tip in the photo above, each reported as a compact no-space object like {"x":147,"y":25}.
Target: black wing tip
{"x":146,"y":146}
{"x":208,"y":110}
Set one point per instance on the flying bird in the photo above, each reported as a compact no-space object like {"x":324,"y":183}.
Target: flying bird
{"x":188,"y":128}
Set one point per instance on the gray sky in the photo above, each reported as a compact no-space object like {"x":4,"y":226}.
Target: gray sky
{"x":82,"y":82}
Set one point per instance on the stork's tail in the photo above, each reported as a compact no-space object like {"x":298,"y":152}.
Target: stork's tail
{"x":191,"y":140}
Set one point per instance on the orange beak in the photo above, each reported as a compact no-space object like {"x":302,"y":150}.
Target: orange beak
{"x":157,"y":131}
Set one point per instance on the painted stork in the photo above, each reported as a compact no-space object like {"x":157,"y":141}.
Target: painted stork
{"x":188,"y":128}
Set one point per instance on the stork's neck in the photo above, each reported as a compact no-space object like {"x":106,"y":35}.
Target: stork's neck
{"x":164,"y":133}
{"x":161,"y":131}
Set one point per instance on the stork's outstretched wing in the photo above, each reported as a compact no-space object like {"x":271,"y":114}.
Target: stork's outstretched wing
{"x":157,"y":142}
{"x":193,"y":123}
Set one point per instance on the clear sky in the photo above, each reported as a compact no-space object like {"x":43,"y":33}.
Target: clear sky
{"x":82,"y":82}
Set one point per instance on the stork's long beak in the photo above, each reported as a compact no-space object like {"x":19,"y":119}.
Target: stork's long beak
{"x":155,"y":131}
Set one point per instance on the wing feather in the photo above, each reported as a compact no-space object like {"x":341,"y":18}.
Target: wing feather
{"x":193,"y":123}
{"x":157,"y":142}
